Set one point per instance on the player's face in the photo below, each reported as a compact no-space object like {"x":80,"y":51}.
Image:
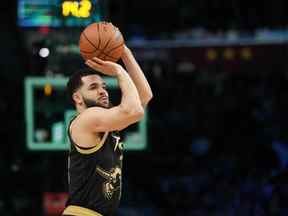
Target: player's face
{"x":94,"y":91}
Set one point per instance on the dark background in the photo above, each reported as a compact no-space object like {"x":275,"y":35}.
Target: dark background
{"x":217,"y":127}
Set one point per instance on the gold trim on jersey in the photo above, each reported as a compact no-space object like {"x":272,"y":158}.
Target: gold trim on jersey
{"x":79,"y":211}
{"x":93,"y":149}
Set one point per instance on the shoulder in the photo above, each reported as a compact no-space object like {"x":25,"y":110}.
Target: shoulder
{"x":83,"y":138}
{"x":85,"y":117}
{"x":78,"y":123}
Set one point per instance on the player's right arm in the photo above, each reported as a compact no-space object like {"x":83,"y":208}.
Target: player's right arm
{"x":129,"y":110}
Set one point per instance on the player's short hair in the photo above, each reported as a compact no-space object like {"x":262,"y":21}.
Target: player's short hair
{"x":75,"y":81}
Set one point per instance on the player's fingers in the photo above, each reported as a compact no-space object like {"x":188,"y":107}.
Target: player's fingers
{"x":93,"y":64}
{"x":98,"y":60}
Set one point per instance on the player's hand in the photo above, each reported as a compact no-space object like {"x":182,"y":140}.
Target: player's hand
{"x":106,"y":67}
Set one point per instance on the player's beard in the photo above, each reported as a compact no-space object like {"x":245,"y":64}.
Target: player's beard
{"x":92,"y":103}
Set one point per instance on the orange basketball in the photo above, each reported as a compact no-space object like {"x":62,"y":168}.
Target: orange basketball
{"x":103,"y":40}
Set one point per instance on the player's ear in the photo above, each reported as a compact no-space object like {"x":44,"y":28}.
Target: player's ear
{"x":77,"y":97}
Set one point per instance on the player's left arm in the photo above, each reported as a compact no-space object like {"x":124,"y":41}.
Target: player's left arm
{"x":137,"y":75}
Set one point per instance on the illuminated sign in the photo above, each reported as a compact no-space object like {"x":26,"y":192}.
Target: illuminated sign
{"x":77,"y":9}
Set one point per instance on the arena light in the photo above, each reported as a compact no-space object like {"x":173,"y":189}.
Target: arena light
{"x":229,"y":54}
{"x":211,"y":54}
{"x":44,"y":52}
{"x":246,"y":53}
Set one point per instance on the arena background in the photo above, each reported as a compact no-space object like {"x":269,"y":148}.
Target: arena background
{"x":214,"y":141}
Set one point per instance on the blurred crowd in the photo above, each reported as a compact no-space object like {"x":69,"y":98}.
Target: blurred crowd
{"x":214,"y":189}
{"x":229,"y":133}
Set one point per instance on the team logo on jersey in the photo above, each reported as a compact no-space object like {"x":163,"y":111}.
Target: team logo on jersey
{"x":113,"y":180}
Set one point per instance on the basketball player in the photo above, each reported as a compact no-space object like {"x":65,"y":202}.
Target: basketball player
{"x":95,"y":158}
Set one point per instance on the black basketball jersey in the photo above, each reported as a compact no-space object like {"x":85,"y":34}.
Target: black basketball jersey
{"x":94,"y":174}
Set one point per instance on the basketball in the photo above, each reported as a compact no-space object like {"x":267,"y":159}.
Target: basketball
{"x":102,"y":40}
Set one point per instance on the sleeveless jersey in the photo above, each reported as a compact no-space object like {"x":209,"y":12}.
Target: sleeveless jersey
{"x":94,"y":174}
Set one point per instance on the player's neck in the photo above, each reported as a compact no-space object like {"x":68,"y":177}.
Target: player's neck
{"x":80,"y":109}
